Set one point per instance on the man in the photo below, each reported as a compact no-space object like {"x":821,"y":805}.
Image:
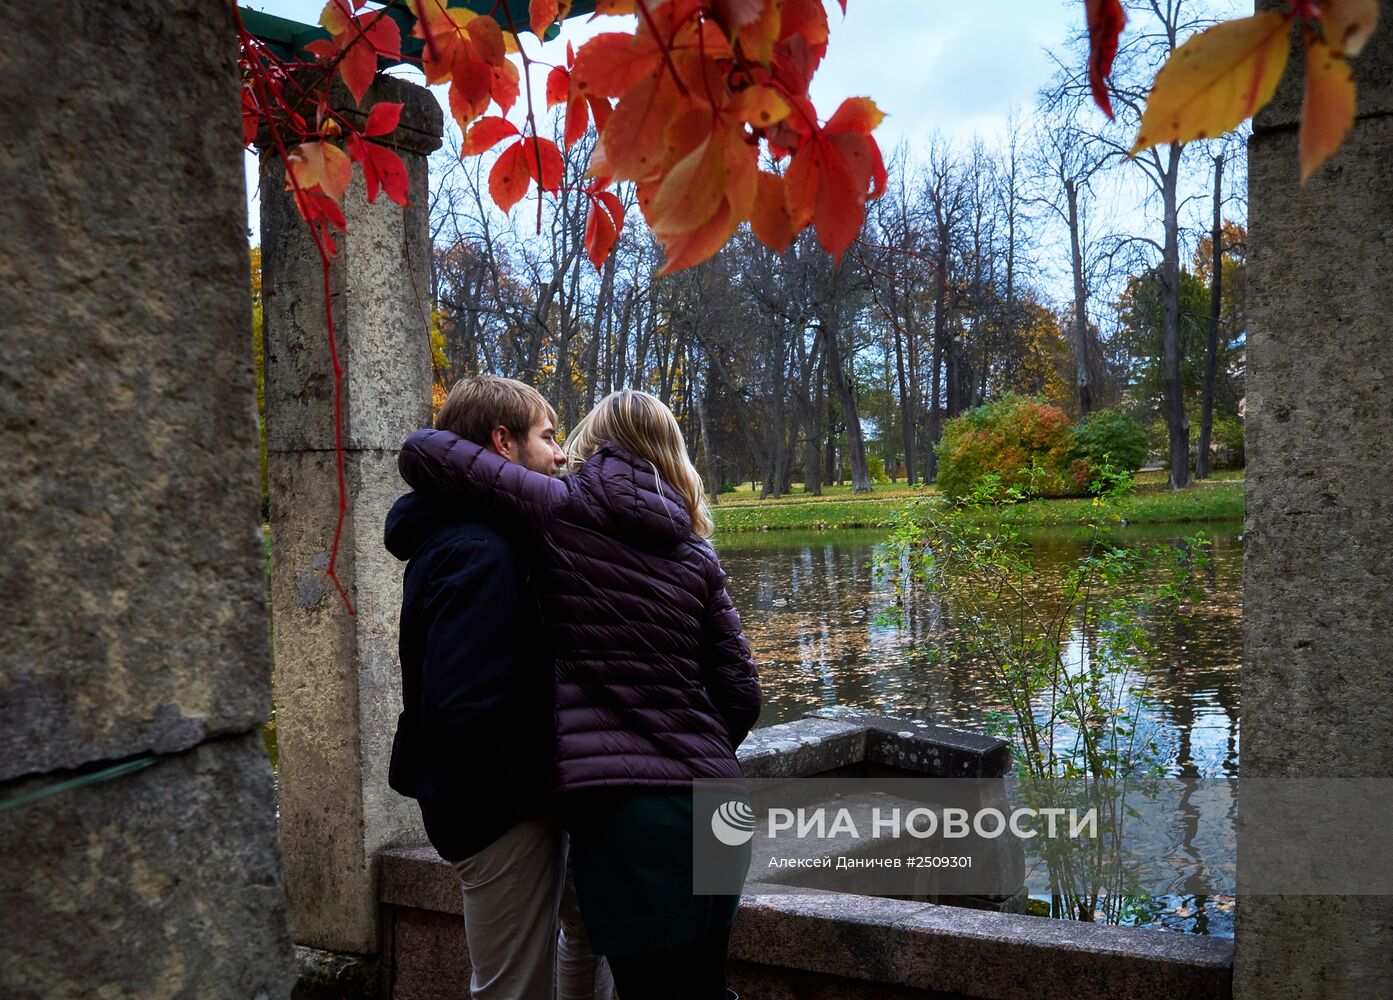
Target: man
{"x":474,"y":744}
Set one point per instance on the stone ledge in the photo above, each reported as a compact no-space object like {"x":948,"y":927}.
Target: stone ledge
{"x":924,"y":946}
{"x":921,"y":947}
{"x":798,"y":749}
{"x":919,"y":746}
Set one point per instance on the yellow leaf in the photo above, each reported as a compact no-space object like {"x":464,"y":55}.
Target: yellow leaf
{"x":760,"y":106}
{"x":1327,"y":112}
{"x":1216,"y":80}
{"x":319,"y":164}
{"x":1347,"y":24}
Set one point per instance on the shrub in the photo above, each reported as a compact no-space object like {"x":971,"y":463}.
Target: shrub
{"x":1018,"y":440}
{"x":876,"y":466}
{"x":1109,"y":437}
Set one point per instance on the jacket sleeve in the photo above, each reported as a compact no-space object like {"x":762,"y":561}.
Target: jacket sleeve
{"x":728,"y":669}
{"x":468,"y":627}
{"x":438,"y":462}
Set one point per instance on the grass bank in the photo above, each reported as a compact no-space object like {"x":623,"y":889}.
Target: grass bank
{"x":1217,"y":499}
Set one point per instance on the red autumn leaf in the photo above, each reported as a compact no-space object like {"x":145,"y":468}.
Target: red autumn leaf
{"x":615,"y":206}
{"x":487,"y":133}
{"x":599,"y":110}
{"x":383,"y":118}
{"x":772,"y":221}
{"x":360,"y":40}
{"x":603,"y":226}
{"x":323,"y":215}
{"x":1105,"y":21}
{"x":610,"y":64}
{"x":509,"y":178}
{"x":471,"y":87}
{"x":381,"y":167}
{"x":544,"y":163}
{"x":577,"y":118}
{"x":558,"y":86}
{"x":822,"y":187}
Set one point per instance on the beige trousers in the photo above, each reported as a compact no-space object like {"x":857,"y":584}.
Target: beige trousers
{"x":517,"y":896}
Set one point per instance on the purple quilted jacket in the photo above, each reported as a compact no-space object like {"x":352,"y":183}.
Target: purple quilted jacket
{"x":655,"y":684}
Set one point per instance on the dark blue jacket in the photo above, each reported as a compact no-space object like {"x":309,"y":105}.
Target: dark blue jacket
{"x":655,"y":685}
{"x":474,"y":740}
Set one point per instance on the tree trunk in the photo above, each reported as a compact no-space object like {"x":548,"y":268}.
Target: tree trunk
{"x":1211,"y":347}
{"x":708,"y":459}
{"x":907,"y":408}
{"x":935,"y":422}
{"x":855,"y":443}
{"x":1085,"y":391}
{"x":1176,"y":422}
{"x":812,"y":447}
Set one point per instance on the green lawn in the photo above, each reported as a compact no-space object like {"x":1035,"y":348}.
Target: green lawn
{"x":1217,"y":499}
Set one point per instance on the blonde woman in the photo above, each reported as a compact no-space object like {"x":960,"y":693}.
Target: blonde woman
{"x":655,"y":686}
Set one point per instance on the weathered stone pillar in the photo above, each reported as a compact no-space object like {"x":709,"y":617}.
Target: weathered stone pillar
{"x":133,"y":586}
{"x":1317,"y":688}
{"x":337,"y":685}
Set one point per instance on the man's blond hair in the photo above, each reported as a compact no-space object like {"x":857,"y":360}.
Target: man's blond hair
{"x":475,"y":406}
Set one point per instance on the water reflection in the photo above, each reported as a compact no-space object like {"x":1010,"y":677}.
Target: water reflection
{"x":809,"y":603}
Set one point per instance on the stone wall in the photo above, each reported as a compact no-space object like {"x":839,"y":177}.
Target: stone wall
{"x":132,"y":593}
{"x":1317,"y":691}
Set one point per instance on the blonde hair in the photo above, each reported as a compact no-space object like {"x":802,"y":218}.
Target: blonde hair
{"x":475,"y":406}
{"x":643,"y":426}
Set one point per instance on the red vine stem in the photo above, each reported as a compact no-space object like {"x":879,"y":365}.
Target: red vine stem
{"x":264,"y":86}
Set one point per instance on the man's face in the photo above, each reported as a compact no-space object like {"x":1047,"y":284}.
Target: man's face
{"x":539,"y":451}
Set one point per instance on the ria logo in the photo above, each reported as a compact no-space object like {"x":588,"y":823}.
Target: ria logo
{"x":733,"y":823}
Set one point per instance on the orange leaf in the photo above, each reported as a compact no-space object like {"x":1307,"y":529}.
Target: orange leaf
{"x":319,"y":164}
{"x":544,"y":163}
{"x":541,"y":14}
{"x":610,"y":64}
{"x":1215,"y":80}
{"x":760,"y":106}
{"x":693,"y":189}
{"x":509,"y":178}
{"x":1105,"y":22}
{"x":487,"y":133}
{"x":757,"y":38}
{"x":1347,"y":24}
{"x":772,"y":222}
{"x":822,"y":186}
{"x":615,"y":7}
{"x":693,"y":248}
{"x":1327,"y":112}
{"x":635,"y":136}
{"x":856,"y":114}
{"x":505,"y":88}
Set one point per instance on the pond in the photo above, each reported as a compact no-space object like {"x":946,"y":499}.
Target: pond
{"x":810,"y":601}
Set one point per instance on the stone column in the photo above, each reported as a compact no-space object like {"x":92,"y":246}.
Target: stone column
{"x":337,"y":676}
{"x":1317,"y":689}
{"x":133,"y":586}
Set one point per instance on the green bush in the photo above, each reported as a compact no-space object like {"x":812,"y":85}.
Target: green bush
{"x":1226,"y":440}
{"x":1018,"y":440}
{"x":1108,"y":438}
{"x":876,"y":466}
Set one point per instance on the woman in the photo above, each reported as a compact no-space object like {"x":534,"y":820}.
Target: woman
{"x":655,"y":686}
